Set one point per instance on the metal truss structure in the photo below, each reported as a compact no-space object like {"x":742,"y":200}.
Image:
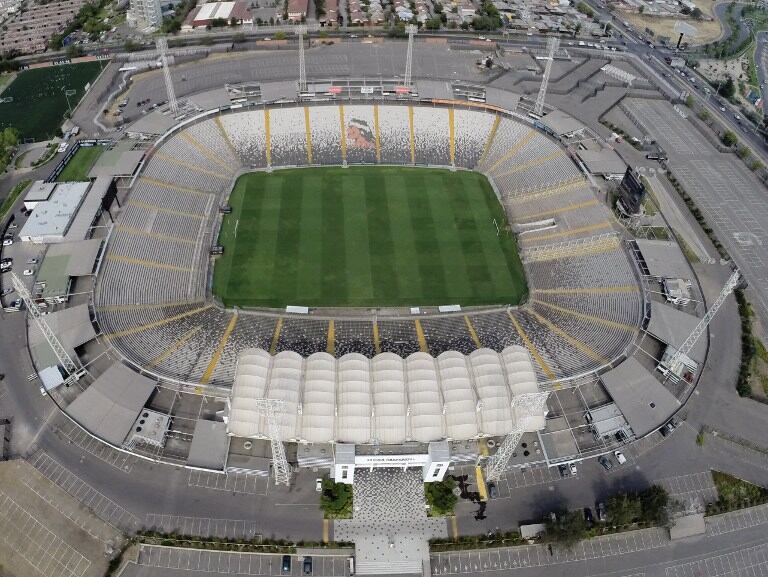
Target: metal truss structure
{"x":524,"y":406}
{"x":552,"y":45}
{"x":676,"y":364}
{"x":301,"y":30}
{"x":280,"y":468}
{"x":58,"y":349}
{"x":570,"y":247}
{"x":162,"y":49}
{"x":411,"y":31}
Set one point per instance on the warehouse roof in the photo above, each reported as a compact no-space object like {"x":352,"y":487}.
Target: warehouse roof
{"x":51,"y":218}
{"x":72,"y":326}
{"x":117,"y":162}
{"x":209,"y":445}
{"x":109,"y":407}
{"x":81,"y":256}
{"x":89,"y":210}
{"x":664,"y":258}
{"x":386,"y":399}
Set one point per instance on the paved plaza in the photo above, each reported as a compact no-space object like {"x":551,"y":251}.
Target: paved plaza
{"x":390,"y":527}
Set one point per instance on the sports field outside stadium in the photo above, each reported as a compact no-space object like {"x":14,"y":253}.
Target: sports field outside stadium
{"x":366,"y":236}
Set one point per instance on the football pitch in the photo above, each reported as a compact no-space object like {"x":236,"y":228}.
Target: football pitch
{"x":365,"y":237}
{"x":36,"y":102}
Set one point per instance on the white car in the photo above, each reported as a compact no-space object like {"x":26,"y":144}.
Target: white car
{"x":318,"y":485}
{"x":572,"y":467}
{"x":620,"y":457}
{"x":28,"y":272}
{"x":7,"y":242}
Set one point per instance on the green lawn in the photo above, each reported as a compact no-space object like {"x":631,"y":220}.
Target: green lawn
{"x":80,"y":164}
{"x":366,"y":236}
{"x":39,"y":97}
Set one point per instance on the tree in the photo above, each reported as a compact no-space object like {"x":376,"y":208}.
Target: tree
{"x":280,"y":35}
{"x":727,"y":88}
{"x":622,"y":509}
{"x":440,"y":496}
{"x":336,"y":499}
{"x":433,"y":23}
{"x":584,"y":8}
{"x":641,"y":9}
{"x":729,"y":138}
{"x":653,"y":503}
{"x":697,"y":13}
{"x":566,"y":528}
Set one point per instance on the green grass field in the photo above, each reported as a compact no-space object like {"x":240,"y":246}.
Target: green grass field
{"x":366,"y":236}
{"x":80,"y":164}
{"x":39,"y":99}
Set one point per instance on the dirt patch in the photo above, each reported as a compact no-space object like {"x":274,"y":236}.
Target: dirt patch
{"x":709,"y":28}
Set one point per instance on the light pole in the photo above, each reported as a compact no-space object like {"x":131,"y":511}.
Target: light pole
{"x":67,"y":94}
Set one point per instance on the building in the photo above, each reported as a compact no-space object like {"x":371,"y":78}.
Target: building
{"x":212,"y":12}
{"x":146,"y":15}
{"x":297,"y":10}
{"x":30,"y":29}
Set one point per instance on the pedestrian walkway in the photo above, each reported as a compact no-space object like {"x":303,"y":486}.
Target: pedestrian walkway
{"x":390,"y":527}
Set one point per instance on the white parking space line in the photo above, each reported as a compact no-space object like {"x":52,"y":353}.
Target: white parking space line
{"x":699,"y":486}
{"x":244,"y":483}
{"x":202,"y":526}
{"x":736,"y":520}
{"x":748,"y":562}
{"x":102,"y":506}
{"x":90,"y":444}
{"x":43,"y":550}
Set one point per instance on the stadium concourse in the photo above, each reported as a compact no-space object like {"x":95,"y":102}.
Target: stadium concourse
{"x":584,"y":287}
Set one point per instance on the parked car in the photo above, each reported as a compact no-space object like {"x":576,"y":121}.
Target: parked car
{"x":286,"y":564}
{"x":605,"y":462}
{"x":493,"y":492}
{"x":32,"y":261}
{"x":12,"y":226}
{"x":318,"y":485}
{"x":620,"y":457}
{"x":563,"y":471}
{"x":7,"y":241}
{"x":28,"y":272}
{"x":6,"y":291}
{"x":572,"y":468}
{"x":307,"y":566}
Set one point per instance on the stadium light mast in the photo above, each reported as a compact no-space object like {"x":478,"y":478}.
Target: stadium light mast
{"x":280,"y":468}
{"x":524,"y":407}
{"x":552,"y":45}
{"x":162,"y":48}
{"x":674,"y":366}
{"x":301,"y":30}
{"x":58,"y":349}
{"x":411,"y":30}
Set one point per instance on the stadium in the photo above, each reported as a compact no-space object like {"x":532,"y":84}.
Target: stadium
{"x":434,"y":371}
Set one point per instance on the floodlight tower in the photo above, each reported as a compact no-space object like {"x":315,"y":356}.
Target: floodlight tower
{"x":280,"y":468}
{"x":552,"y":45}
{"x":162,"y":48}
{"x":58,"y":349}
{"x":411,"y":30}
{"x":524,"y":407}
{"x":301,"y":30}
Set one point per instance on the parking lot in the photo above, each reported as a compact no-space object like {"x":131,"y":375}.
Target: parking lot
{"x":118,"y":459}
{"x":694,"y":487}
{"x":197,"y":562}
{"x":472,"y":562}
{"x":102,"y":506}
{"x":749,"y":562}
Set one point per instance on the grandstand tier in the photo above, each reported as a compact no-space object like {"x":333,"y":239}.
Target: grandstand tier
{"x":582,"y":289}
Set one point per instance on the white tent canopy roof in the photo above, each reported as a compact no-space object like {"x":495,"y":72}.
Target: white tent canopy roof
{"x":386,"y":399}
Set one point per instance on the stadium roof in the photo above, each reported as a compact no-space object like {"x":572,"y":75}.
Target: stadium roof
{"x":90,"y":208}
{"x":117,"y":162}
{"x":561,"y":123}
{"x":81,"y":256}
{"x":672,"y":326}
{"x":503,"y":98}
{"x":664,"y":258}
{"x":641,"y":397}
{"x":605,"y":161}
{"x":109,"y":407}
{"x":72,"y":326}
{"x":209,"y":445}
{"x":386,"y":399}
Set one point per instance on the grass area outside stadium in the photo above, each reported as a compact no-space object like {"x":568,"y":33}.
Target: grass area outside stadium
{"x":366,"y":237}
{"x":80,"y":164}
{"x":40,"y":97}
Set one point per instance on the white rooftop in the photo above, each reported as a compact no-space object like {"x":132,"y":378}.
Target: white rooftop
{"x":386,"y":399}
{"x":51,"y":218}
{"x":213,"y":10}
